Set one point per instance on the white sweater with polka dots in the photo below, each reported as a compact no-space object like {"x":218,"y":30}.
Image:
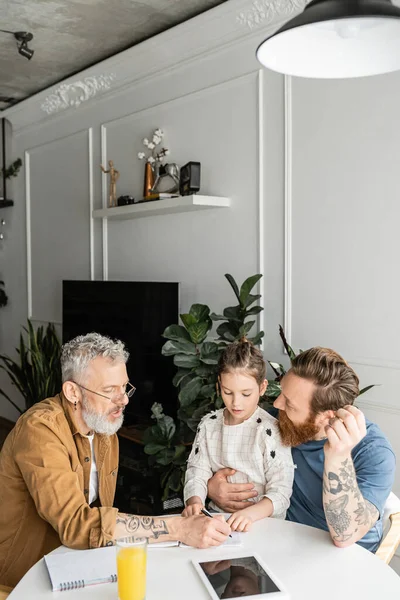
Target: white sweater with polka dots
{"x":253,"y":449}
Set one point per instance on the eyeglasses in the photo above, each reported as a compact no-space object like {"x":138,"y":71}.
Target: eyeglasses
{"x":129,"y":391}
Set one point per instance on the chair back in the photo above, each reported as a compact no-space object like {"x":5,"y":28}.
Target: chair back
{"x":391,"y":529}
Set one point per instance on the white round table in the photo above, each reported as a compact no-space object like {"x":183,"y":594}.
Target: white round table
{"x":303,"y":558}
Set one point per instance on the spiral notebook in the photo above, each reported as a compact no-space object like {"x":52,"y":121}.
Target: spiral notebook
{"x":72,"y":570}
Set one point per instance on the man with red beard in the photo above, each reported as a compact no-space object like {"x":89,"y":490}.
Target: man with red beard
{"x":344,"y":464}
{"x":58,"y":468}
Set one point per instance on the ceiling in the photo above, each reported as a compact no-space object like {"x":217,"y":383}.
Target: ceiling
{"x":71,"y":35}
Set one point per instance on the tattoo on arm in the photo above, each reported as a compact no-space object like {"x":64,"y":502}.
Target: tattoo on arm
{"x":343,"y":485}
{"x":338,"y":518}
{"x":141,"y":528}
{"x":367,"y":514}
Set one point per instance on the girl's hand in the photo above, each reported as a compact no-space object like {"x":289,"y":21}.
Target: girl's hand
{"x":192,"y":509}
{"x":240,"y":521}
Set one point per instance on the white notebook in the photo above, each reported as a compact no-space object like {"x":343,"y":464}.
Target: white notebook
{"x":234,"y":540}
{"x":71,"y":570}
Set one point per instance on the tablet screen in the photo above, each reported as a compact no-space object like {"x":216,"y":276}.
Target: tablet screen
{"x":239,"y":577}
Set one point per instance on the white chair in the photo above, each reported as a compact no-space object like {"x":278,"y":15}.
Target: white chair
{"x":391,"y":529}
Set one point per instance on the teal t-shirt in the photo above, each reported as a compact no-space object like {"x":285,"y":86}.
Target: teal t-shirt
{"x":374,"y":463}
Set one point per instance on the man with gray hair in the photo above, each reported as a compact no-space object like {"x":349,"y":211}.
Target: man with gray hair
{"x":58,"y":468}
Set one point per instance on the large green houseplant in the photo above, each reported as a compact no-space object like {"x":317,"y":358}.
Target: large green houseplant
{"x":37,"y":372}
{"x":196,"y":357}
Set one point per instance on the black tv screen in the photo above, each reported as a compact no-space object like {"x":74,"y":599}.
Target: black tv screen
{"x":136,"y":313}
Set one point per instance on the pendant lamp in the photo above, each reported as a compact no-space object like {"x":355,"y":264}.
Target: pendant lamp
{"x":336,"y":39}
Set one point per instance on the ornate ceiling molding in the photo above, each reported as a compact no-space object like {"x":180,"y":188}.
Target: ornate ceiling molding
{"x":263,"y":12}
{"x":69,"y":95}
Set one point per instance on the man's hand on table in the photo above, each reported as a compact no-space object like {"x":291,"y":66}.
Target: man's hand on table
{"x":230,"y":497}
{"x":202,"y":532}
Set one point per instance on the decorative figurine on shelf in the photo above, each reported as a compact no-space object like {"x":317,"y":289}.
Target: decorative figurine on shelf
{"x":167,"y":180}
{"x":114,"y":175}
{"x":153,"y":161}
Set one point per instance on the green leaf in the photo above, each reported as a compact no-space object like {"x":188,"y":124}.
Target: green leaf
{"x":200,"y":312}
{"x":234,"y":313}
{"x":245,"y":328}
{"x":210,"y":353}
{"x":167,"y":427}
{"x":188,"y":320}
{"x":186,"y":361}
{"x":181,"y":373}
{"x":154,"y":448}
{"x":233,"y":285}
{"x":246,"y":288}
{"x":176,"y":332}
{"x":174,"y":481}
{"x":208,"y":391}
{"x":225,"y":331}
{"x":166,"y":457}
{"x":189,"y":393}
{"x":216,"y":317}
{"x":277,"y":368}
{"x":251,"y":299}
{"x":368,"y":387}
{"x":177,"y":347}
{"x":253,"y":311}
{"x":273,"y":389}
{"x":199,"y":331}
{"x":256,"y":340}
{"x":206,"y":371}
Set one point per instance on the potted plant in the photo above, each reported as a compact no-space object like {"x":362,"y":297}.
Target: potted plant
{"x":168,"y":441}
{"x":37,"y":372}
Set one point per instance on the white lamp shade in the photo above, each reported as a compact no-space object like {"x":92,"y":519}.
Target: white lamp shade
{"x":352,"y":46}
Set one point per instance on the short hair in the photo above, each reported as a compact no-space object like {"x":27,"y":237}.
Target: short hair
{"x":337,"y":384}
{"x":77,"y":353}
{"x":243,"y":355}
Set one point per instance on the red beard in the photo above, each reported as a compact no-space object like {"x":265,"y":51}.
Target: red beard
{"x":294,"y":435}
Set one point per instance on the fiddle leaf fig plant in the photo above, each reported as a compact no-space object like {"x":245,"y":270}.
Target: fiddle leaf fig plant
{"x":196,"y":357}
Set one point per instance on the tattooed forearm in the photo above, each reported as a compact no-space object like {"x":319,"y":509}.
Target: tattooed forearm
{"x":338,"y":518}
{"x":150,"y":528}
{"x":349,"y":516}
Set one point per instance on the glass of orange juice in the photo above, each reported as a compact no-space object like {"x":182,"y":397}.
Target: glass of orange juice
{"x":131,"y":569}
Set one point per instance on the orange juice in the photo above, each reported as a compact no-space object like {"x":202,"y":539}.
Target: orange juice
{"x":131,"y":571}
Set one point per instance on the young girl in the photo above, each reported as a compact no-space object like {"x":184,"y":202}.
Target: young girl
{"x":243,"y":437}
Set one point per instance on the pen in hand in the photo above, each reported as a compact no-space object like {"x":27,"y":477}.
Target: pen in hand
{"x":207,"y":514}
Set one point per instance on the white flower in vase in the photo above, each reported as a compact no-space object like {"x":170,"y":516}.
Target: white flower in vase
{"x":151,"y":146}
{"x":146,"y":142}
{"x":141,"y":155}
{"x":151,"y":160}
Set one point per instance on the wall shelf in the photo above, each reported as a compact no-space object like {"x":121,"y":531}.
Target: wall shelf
{"x":164,"y":206}
{"x":5,"y":203}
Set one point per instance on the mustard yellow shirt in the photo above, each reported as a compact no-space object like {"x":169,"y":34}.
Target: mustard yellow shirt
{"x":44,"y":488}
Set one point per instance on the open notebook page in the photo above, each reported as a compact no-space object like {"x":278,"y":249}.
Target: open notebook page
{"x":70,"y":570}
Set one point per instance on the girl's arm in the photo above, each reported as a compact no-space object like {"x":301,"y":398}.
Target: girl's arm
{"x":198,"y":472}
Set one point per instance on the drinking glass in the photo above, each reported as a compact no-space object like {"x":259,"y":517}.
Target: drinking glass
{"x":131,"y":569}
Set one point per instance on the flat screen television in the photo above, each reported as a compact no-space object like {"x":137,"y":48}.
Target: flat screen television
{"x":137,"y":313}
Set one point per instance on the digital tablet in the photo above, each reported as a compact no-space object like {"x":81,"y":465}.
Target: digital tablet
{"x":244,"y":577}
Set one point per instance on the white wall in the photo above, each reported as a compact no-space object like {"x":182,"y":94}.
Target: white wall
{"x":311,"y":167}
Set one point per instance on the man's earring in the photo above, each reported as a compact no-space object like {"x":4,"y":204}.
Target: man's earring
{"x":75,"y":404}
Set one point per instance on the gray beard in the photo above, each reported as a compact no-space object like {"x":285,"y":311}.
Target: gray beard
{"x":97,"y":422}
